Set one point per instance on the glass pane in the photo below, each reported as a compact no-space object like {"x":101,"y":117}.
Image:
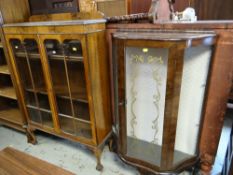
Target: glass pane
{"x":31,"y":46}
{"x":146,"y":75}
{"x":77,"y":80}
{"x":73,"y":48}
{"x":67,"y":124}
{"x":35,"y":64}
{"x":195,"y":73}
{"x":30,"y":98}
{"x":53,"y":48}
{"x":81,"y":110}
{"x":68,"y":77}
{"x":57,"y":67}
{"x":30,"y":69}
{"x":59,"y":79}
{"x":47,"y":119}
{"x":37,"y":74}
{"x":83,"y":129}
{"x":34,"y":114}
{"x":17,"y":46}
{"x":43,"y":101}
{"x":22,"y":63}
{"x":64,"y":106}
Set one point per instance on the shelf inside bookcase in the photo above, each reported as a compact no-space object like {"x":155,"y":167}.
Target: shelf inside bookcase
{"x":6,"y":87}
{"x":8,"y":92}
{"x":29,"y":55}
{"x":4,"y":69}
{"x":12,"y":115}
{"x":39,"y":90}
{"x":66,"y":57}
{"x":9,"y":111}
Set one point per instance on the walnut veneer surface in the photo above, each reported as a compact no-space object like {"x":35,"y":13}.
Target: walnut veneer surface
{"x":14,"y":162}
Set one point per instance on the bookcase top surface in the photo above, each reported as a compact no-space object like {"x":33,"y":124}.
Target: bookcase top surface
{"x":56,"y":23}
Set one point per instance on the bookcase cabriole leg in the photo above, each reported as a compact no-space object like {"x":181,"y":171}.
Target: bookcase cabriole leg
{"x":98,"y":153}
{"x":31,"y":136}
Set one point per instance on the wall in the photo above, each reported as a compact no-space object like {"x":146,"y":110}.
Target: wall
{"x":14,"y":10}
{"x":208,"y":9}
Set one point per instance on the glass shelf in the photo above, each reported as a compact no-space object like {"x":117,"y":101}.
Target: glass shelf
{"x":152,"y":154}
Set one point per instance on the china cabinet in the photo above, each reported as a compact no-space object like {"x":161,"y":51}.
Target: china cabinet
{"x":160,"y":83}
{"x":11,"y":114}
{"x":61,"y":67}
{"x":220,"y":79}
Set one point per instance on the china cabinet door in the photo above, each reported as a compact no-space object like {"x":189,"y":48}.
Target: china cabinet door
{"x":27,"y":60}
{"x":68,"y":65}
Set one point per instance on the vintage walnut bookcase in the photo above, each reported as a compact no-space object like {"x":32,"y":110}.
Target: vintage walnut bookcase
{"x":61,"y":67}
{"x":11,"y":114}
{"x":160,"y":82}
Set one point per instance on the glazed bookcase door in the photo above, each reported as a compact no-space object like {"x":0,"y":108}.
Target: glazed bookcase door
{"x":27,"y":60}
{"x":68,"y":66}
{"x":154,"y":88}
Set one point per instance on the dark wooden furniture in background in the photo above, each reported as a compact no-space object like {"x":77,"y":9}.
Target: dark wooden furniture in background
{"x":138,"y":6}
{"x":14,"y":10}
{"x":14,"y":162}
{"x":155,"y":84}
{"x":112,"y":7}
{"x":220,"y":79}
{"x":61,"y":68}
{"x":208,"y":9}
{"x":39,"y":7}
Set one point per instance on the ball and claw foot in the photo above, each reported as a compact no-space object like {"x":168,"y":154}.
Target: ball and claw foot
{"x":99,"y":167}
{"x":31,"y":137}
{"x":98,"y":153}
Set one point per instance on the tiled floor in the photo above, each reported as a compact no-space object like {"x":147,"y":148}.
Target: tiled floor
{"x":77,"y":159}
{"x":220,"y":157}
{"x":68,"y":155}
